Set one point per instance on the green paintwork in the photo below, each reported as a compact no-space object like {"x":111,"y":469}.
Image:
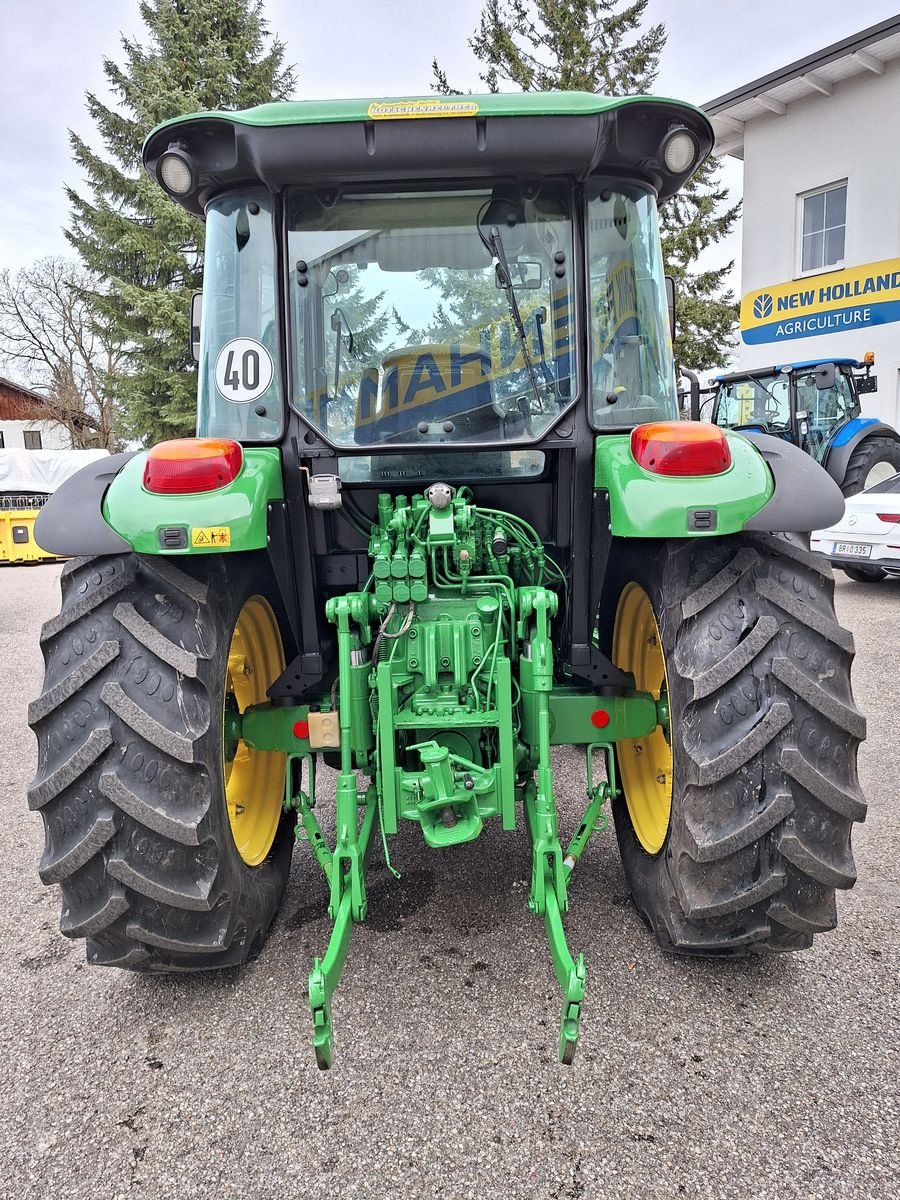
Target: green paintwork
{"x":445,"y":698}
{"x":506,"y":104}
{"x":646,"y":505}
{"x":241,"y":506}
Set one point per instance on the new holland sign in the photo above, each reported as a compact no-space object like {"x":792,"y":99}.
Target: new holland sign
{"x":832,"y":303}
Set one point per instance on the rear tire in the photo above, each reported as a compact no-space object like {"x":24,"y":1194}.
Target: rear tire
{"x":130,"y":780}
{"x":865,"y":574}
{"x":764,"y":736}
{"x":869,"y":454}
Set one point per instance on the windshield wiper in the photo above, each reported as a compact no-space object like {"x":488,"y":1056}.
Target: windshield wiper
{"x":504,"y":278}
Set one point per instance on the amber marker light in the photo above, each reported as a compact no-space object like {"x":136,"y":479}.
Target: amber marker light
{"x":680,"y":448}
{"x":192,"y":465}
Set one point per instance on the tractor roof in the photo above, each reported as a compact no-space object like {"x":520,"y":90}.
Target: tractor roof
{"x":333,"y":142}
{"x":736,"y":376}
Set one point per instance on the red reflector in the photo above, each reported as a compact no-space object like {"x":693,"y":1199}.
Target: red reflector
{"x":301,"y":729}
{"x":599,"y":718}
{"x":680,"y":448}
{"x":889,"y":518}
{"x":192,"y":465}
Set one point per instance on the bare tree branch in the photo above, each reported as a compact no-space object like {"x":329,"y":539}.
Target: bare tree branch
{"x":51,"y":333}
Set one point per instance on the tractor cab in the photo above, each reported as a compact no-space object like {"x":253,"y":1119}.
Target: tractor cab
{"x":815,"y":406}
{"x":438,"y":315}
{"x":805,"y":403}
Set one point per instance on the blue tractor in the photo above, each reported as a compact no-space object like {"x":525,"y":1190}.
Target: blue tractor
{"x":814,"y":405}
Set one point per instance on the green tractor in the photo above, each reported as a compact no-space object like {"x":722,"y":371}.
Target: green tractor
{"x":440,"y":517}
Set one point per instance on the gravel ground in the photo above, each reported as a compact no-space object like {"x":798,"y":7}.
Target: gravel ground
{"x":770,"y":1079}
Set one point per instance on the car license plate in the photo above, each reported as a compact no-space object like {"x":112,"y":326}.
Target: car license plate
{"x":852,"y":549}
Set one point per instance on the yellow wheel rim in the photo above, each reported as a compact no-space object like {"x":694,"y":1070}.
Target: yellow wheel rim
{"x":254,"y":779}
{"x":645,"y":763}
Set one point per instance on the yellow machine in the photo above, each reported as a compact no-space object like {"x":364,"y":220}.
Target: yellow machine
{"x":27,"y":479}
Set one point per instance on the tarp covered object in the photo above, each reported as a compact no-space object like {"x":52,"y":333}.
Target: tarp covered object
{"x":42,"y":470}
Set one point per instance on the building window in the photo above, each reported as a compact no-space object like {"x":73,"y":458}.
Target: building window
{"x":2,"y":443}
{"x":824,"y":226}
{"x":32,"y":439}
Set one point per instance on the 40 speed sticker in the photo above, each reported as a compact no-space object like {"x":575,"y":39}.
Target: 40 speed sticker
{"x":244,"y":370}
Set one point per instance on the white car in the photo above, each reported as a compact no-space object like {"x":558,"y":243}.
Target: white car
{"x":865,"y":543}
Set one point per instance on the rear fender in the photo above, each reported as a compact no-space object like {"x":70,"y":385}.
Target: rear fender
{"x":227,"y":520}
{"x":646,"y":505}
{"x":71,"y":522}
{"x":805,"y":497}
{"x":104,"y":509}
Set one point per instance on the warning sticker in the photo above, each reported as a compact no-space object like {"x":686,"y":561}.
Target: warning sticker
{"x":211,"y":535}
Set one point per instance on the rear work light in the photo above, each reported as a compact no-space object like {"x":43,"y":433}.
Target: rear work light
{"x":192,"y":465}
{"x":680,"y":448}
{"x":889,"y":518}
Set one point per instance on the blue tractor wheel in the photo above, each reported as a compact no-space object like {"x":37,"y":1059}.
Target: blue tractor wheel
{"x":873,"y":460}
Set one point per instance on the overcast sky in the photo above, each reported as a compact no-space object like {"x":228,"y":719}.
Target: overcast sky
{"x":52,"y":52}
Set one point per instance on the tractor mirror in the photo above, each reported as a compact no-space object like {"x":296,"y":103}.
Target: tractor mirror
{"x":196,"y":310}
{"x":524,"y":275}
{"x":825,"y":376}
{"x":670,"y":304}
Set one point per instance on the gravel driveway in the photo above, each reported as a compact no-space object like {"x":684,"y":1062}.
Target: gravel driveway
{"x":774,"y":1078}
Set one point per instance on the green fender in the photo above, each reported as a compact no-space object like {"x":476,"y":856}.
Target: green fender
{"x":645,"y":505}
{"x":231,"y":518}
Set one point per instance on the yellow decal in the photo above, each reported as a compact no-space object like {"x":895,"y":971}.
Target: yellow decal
{"x":745,"y":393}
{"x":854,"y":298}
{"x":405,"y":110}
{"x":211,"y":535}
{"x":616,"y":305}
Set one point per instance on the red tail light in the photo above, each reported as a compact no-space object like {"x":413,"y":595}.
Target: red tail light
{"x":192,"y":465}
{"x":889,"y":518}
{"x":680,"y":448}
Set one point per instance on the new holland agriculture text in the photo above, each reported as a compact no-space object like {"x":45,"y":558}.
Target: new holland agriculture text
{"x":846,"y":299}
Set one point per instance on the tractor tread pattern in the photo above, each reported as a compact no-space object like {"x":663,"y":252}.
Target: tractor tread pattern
{"x":89,"y":601}
{"x":184,"y":661}
{"x":707,"y":845}
{"x":144,"y":725}
{"x":714,"y":770}
{"x":844,"y":801}
{"x":148,"y":873}
{"x":794,"y":607}
{"x":50,"y":786}
{"x":60,"y":861}
{"x":86,"y":669}
{"x":744,"y":652}
{"x":767,"y":743}
{"x":181,"y":824}
{"x":720,"y":583}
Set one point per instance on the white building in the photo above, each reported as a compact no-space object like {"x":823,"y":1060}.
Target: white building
{"x":23,"y":421}
{"x":820,"y":264}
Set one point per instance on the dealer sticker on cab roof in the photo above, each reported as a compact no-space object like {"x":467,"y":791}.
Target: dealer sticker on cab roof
{"x":405,"y":110}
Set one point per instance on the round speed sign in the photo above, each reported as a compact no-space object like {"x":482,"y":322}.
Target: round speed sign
{"x":244,"y":370}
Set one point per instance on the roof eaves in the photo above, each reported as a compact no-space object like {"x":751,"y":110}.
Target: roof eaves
{"x":802,"y":66}
{"x":26,"y":391}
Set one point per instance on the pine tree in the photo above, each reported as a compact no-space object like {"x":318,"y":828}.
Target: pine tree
{"x":598,"y":46}
{"x":198,"y":54}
